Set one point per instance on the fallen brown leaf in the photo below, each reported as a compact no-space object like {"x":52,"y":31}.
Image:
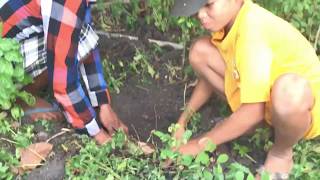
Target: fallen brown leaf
{"x":146,"y":148}
{"x":32,"y":156}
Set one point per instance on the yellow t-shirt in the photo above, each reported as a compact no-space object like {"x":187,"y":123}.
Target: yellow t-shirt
{"x":257,"y":50}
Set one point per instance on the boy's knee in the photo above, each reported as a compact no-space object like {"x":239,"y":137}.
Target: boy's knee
{"x":199,"y":51}
{"x":291,"y":94}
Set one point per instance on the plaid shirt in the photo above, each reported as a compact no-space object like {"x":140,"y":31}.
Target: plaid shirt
{"x":56,"y":35}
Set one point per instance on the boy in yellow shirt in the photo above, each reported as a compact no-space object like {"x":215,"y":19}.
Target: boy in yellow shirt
{"x":264,"y":68}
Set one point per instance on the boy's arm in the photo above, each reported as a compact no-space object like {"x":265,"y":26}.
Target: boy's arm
{"x":200,"y":95}
{"x":91,"y":69}
{"x":64,"y":26}
{"x":242,"y":120}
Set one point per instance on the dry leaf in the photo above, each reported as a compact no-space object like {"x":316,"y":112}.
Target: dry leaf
{"x":146,"y":148}
{"x":32,"y":156}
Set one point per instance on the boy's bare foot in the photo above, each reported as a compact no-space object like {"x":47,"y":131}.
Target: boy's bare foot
{"x":102,"y":137}
{"x":42,"y":104}
{"x":279,"y":162}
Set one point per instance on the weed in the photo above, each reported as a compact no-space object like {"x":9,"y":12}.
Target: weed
{"x":307,"y":160}
{"x":114,"y":82}
{"x":141,"y":65}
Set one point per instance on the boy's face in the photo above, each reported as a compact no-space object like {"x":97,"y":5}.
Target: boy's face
{"x":218,"y":14}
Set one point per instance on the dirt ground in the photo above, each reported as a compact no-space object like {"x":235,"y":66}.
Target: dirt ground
{"x":142,"y":106}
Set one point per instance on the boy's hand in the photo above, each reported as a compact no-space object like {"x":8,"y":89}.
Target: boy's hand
{"x":102,"y":137}
{"x":191,"y":148}
{"x":110,"y":120}
{"x":178,"y":134}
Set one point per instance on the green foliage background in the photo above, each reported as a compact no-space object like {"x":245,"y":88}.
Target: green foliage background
{"x":303,"y":14}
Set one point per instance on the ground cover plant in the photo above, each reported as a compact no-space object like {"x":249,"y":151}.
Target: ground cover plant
{"x":157,"y":78}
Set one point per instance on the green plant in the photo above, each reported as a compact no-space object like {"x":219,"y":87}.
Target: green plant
{"x":300,"y":13}
{"x":307,"y":160}
{"x":141,"y":65}
{"x":159,"y":13}
{"x":47,"y":125}
{"x":115,"y":80}
{"x":128,"y":12}
{"x":261,"y":139}
{"x":122,"y":159}
{"x":7,"y":162}
{"x":12,"y":134}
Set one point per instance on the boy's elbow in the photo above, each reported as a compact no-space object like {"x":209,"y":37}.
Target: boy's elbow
{"x":255,"y":110}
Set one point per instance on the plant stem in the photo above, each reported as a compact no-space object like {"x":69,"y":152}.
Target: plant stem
{"x":317,"y":38}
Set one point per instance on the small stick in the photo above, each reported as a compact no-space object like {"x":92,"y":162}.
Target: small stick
{"x":135,"y":38}
{"x":30,"y":165}
{"x":166,"y":43}
{"x":156,"y":115}
{"x":250,"y":158}
{"x":8,"y":140}
{"x":143,"y":88}
{"x":117,"y":35}
{"x":63,"y":131}
{"x":184,"y":95}
{"x":135,"y":131}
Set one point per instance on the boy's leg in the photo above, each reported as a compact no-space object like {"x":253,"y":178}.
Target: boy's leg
{"x":208,"y":64}
{"x":40,"y":83}
{"x":292,"y":102}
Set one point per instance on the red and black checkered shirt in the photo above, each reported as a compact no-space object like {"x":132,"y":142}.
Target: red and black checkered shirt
{"x":56,"y":35}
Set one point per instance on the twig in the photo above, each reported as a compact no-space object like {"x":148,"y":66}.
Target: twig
{"x":135,"y":38}
{"x":63,"y":131}
{"x":250,"y":158}
{"x":184,"y":95}
{"x":117,"y":35}
{"x":156,"y":115}
{"x":31,"y":165}
{"x":8,"y":140}
{"x":143,"y":88}
{"x":166,"y":43}
{"x":135,"y":131}
{"x":184,"y":54}
{"x":317,"y":38}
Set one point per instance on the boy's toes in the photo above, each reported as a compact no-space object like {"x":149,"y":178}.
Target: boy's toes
{"x":278,"y":163}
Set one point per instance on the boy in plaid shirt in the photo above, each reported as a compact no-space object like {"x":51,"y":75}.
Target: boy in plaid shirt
{"x":60,"y":47}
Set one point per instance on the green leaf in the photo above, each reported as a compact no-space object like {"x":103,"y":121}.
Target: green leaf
{"x":5,"y":105}
{"x":13,"y":56}
{"x":3,"y":115}
{"x":187,"y":135}
{"x":151,"y":71}
{"x":207,"y":175}
{"x":16,"y":112}
{"x":316,"y":149}
{"x":210,"y":147}
{"x":167,"y":153}
{"x":239,"y":175}
{"x":6,"y":67}
{"x":186,"y":160}
{"x":27,"y":97}
{"x":6,"y":45}
{"x":19,"y":74}
{"x":222,"y":158}
{"x":250,"y":176}
{"x":265,"y":176}
{"x":22,"y":141}
{"x":203,"y":158}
